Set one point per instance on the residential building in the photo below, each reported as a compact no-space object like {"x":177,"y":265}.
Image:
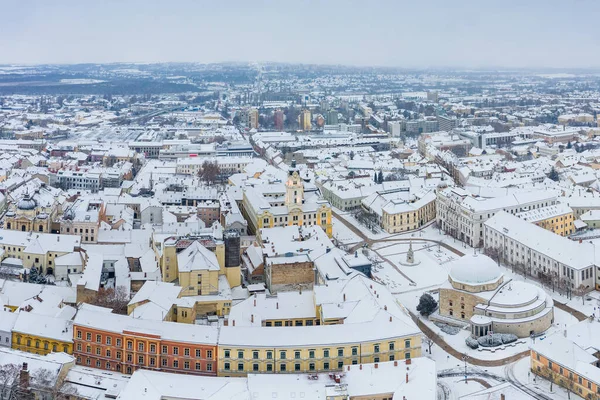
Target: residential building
{"x":304,"y":120}
{"x":120,"y":343}
{"x":42,"y":334}
{"x":557,"y":218}
{"x":570,"y":358}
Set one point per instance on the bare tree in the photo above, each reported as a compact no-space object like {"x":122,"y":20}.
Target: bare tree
{"x":210,"y":171}
{"x":116,"y":299}
{"x":581,"y":290}
{"x":9,"y":379}
{"x":428,"y":342}
{"x":46,"y":381}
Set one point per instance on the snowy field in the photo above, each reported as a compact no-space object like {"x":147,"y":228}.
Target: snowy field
{"x":431,"y":268}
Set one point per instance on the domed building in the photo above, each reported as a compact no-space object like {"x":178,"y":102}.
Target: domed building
{"x":32,"y":210}
{"x":476,"y":293}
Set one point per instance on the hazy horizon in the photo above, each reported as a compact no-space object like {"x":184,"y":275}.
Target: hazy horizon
{"x":465,"y":34}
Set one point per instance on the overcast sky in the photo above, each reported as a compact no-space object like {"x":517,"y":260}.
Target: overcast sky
{"x":417,"y":33}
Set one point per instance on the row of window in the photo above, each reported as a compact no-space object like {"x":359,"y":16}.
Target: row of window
{"x":141,"y":346}
{"x":38,"y":343}
{"x":255,"y":367}
{"x":186,"y":351}
{"x":311,"y":353}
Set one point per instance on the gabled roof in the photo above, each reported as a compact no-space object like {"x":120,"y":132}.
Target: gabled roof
{"x":197,"y":257}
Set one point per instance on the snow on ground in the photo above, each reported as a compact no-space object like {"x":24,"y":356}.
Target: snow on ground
{"x":343,"y":234}
{"x":432,"y":262}
{"x":389,"y":276}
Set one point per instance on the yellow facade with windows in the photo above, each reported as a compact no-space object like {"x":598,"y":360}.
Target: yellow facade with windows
{"x":242,"y":360}
{"x":408,"y":216}
{"x":266,"y":211}
{"x":39,"y":344}
{"x":564,"y":377}
{"x":561,"y":224}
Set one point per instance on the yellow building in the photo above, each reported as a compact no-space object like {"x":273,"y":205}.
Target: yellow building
{"x":244,"y":350}
{"x":304,"y":120}
{"x":37,"y":249}
{"x":267,"y":210}
{"x":570,"y":359}
{"x":200,"y":274}
{"x":557,"y":218}
{"x":315,"y":331}
{"x":41,"y":334}
{"x":401,"y":216}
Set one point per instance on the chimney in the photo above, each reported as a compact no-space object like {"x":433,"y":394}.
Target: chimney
{"x":348,"y":368}
{"x":360,"y":367}
{"x":233,"y":322}
{"x":252,"y":318}
{"x":395,"y":363}
{"x":385,"y":308}
{"x":255,"y":302}
{"x":390,"y":318}
{"x":376,"y":365}
{"x":502,"y":396}
{"x":277,"y":305}
{"x":407,"y":377}
{"x":408,"y":361}
{"x":344,"y":296}
{"x":24,"y":377}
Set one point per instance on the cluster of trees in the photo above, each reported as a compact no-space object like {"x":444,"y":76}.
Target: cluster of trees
{"x":43,"y":383}
{"x":378,"y":177}
{"x":368,"y":219}
{"x":115,"y":299}
{"x":210,"y":172}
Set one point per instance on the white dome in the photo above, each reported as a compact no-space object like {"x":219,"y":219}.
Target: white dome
{"x":475,"y":269}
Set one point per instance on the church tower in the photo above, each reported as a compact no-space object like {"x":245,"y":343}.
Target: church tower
{"x":294,"y":187}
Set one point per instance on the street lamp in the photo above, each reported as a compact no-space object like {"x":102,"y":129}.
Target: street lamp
{"x":465,"y":358}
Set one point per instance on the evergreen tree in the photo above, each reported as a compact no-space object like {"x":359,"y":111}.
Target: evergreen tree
{"x":427,"y":304}
{"x":569,"y":145}
{"x":553,"y":174}
{"x":380,"y":177}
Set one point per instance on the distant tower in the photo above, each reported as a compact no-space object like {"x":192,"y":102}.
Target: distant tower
{"x":294,"y":187}
{"x":278,"y":120}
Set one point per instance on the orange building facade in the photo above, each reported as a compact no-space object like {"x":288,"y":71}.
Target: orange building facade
{"x":125,"y":351}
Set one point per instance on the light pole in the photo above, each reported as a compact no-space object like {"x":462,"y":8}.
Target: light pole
{"x":465,"y":358}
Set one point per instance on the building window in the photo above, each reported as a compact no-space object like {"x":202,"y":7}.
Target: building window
{"x":311,"y":366}
{"x":282,"y":355}
{"x":186,"y":352}
{"x":376,"y":348}
{"x":186,"y":365}
{"x":269,"y":355}
{"x":391,"y":347}
{"x":175,"y":363}
{"x":240,"y":354}
{"x":326,"y":366}
{"x":209,"y":354}
{"x":311,"y":354}
{"x":176,"y":351}
{"x":226,"y":354}
{"x":282,"y":367}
